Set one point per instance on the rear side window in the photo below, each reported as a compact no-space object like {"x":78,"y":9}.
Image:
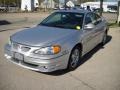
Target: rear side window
{"x":92,"y":18}
{"x":97,"y":16}
{"x":88,"y":19}
{"x":96,"y":19}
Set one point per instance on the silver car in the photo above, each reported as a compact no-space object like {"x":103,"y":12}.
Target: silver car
{"x":58,"y":42}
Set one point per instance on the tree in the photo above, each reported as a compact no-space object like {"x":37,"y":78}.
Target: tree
{"x":101,"y":7}
{"x":40,"y":1}
{"x":8,"y":2}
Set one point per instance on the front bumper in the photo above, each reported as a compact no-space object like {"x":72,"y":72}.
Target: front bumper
{"x":37,"y":64}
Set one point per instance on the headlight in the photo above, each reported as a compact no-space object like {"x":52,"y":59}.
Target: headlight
{"x":55,"y":49}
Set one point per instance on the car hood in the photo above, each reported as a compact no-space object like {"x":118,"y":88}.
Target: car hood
{"x":40,"y":35}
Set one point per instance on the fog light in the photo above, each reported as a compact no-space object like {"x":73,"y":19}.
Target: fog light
{"x":45,"y":67}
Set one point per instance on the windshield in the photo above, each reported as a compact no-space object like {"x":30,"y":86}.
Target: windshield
{"x":64,"y":20}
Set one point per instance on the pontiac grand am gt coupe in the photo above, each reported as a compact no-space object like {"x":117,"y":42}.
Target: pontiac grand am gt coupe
{"x":58,"y":42}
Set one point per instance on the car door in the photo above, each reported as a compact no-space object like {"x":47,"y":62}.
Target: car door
{"x":100,"y":26}
{"x":89,"y":40}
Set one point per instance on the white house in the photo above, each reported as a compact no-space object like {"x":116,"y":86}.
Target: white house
{"x":29,"y":4}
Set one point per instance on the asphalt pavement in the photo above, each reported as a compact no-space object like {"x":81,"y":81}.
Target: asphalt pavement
{"x":11,"y":21}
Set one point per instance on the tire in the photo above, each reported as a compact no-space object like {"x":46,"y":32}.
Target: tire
{"x":104,"y":39}
{"x":74,"y":58}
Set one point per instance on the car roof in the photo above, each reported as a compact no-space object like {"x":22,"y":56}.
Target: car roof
{"x":74,"y":11}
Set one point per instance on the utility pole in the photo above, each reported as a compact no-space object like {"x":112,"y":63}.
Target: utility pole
{"x":59,"y":4}
{"x":65,"y":1}
{"x":118,"y":20}
{"x":80,"y":2}
{"x":4,"y":2}
{"x":101,"y":7}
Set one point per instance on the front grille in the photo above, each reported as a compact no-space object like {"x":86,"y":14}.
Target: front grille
{"x":20,"y":47}
{"x":24,"y":63}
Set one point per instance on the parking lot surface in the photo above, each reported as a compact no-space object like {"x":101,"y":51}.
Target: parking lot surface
{"x":98,"y":70}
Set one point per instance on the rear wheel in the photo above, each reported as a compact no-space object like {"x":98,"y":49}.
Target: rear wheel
{"x":74,"y":58}
{"x":104,"y":39}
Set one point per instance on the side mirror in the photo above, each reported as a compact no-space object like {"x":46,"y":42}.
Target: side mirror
{"x":89,"y":26}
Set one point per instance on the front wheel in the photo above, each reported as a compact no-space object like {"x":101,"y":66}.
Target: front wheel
{"x":74,"y":58}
